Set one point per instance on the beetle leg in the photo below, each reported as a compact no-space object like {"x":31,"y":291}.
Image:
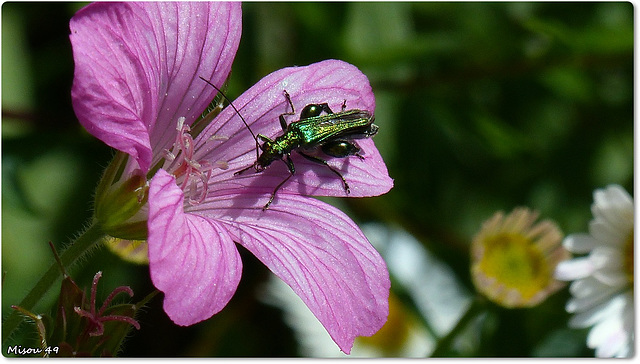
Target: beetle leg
{"x":292,"y":170}
{"x":322,"y":161}
{"x":283,"y":122}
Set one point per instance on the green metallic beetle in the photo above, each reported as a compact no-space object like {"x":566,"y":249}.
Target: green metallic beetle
{"x":332,"y":132}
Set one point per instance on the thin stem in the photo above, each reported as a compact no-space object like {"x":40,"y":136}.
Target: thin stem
{"x":83,"y":244}
{"x":444,"y":343}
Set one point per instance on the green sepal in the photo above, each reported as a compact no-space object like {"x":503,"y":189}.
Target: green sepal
{"x":118,"y":202}
{"x":136,"y":230}
{"x":111,"y":174}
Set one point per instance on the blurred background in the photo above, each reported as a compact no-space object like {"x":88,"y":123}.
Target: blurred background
{"x":481,"y":107}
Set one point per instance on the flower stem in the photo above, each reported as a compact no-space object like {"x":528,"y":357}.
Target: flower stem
{"x":444,"y":343}
{"x":82,"y":245}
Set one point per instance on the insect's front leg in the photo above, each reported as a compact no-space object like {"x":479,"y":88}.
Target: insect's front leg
{"x":322,"y":161}
{"x":256,"y":164}
{"x":283,"y":122}
{"x":292,"y":170}
{"x":244,"y":169}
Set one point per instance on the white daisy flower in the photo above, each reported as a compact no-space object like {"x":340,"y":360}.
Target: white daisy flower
{"x":603,"y":278}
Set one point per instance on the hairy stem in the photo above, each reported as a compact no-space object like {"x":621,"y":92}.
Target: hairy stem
{"x":82,"y":245}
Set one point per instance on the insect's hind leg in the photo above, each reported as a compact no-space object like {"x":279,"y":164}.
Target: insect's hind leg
{"x":324,"y":162}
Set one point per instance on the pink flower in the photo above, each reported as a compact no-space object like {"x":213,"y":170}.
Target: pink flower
{"x":137,"y":88}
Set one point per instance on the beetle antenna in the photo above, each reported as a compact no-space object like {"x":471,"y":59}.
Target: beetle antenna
{"x":236,"y":110}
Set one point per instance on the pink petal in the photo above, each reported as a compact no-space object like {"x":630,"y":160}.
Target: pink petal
{"x":319,"y":252}
{"x":192,"y":259}
{"x":137,"y":68}
{"x":329,"y":81}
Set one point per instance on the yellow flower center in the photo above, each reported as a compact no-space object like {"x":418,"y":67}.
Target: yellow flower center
{"x":628,"y":257}
{"x":516,"y":263}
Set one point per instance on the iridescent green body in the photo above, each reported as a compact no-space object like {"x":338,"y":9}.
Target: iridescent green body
{"x":320,"y":130}
{"x":332,"y":132}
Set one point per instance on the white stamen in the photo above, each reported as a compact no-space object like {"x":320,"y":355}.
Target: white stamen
{"x":218,"y":137}
{"x":221,"y":164}
{"x":184,"y":167}
{"x":168,"y":155}
{"x":181,"y":121}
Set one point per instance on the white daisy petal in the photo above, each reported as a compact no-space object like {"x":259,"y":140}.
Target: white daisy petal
{"x":613,"y":344}
{"x":605,"y":234}
{"x":586,"y":287}
{"x":607,"y":198}
{"x":615,"y":207}
{"x":578,"y":304}
{"x":625,"y":352}
{"x":603,"y":257}
{"x":619,"y":195}
{"x":607,"y":337}
{"x":621,"y":200}
{"x":579,"y":243}
{"x":602,"y":291}
{"x":574,"y":269}
{"x":612,"y":277}
{"x":628,"y":312}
